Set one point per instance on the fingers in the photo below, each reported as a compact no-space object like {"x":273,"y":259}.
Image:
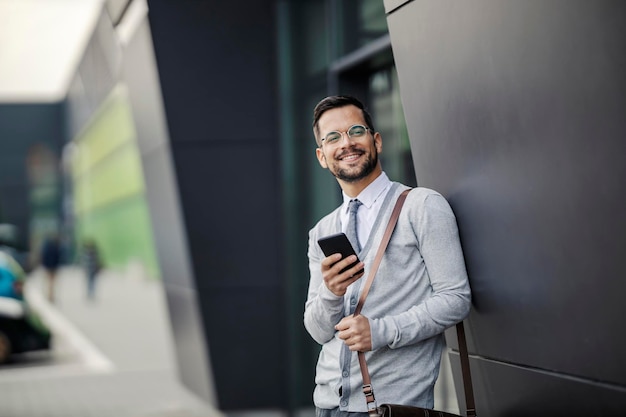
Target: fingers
{"x":344,"y":324}
{"x":355,"y":333}
{"x":338,"y":281}
{"x":329,"y":261}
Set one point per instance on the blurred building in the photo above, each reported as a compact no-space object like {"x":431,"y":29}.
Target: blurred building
{"x":182,"y":141}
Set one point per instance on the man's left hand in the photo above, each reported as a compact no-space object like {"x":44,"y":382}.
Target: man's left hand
{"x":355,"y":333}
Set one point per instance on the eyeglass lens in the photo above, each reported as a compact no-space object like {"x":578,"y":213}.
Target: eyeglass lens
{"x":355,"y":131}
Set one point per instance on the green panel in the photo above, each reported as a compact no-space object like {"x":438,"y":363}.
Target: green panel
{"x":123,"y":233}
{"x":111,"y":128}
{"x":116,"y":177}
{"x":109,"y":202}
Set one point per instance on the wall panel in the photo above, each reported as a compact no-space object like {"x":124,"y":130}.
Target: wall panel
{"x":515,"y":112}
{"x":217,"y":68}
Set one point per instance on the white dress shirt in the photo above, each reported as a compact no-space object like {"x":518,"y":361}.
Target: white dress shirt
{"x":372,"y":198}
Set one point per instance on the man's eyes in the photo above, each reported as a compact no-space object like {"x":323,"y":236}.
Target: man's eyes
{"x":333,"y":137}
{"x":356,"y":131}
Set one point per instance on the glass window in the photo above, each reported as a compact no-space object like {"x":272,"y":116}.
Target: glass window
{"x":359,"y":22}
{"x":312,"y":29}
{"x":388,"y":117}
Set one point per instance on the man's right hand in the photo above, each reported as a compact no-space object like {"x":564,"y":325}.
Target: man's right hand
{"x":338,"y":282}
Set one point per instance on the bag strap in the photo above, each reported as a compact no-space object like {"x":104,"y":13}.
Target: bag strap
{"x":372,"y":408}
{"x":470,"y":407}
{"x":381,"y":250}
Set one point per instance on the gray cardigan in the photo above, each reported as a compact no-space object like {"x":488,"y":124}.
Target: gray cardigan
{"x":421,"y":289}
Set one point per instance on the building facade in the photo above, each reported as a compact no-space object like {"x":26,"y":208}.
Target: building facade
{"x":513,"y":111}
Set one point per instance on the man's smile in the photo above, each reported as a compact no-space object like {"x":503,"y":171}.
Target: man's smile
{"x":350,"y":156}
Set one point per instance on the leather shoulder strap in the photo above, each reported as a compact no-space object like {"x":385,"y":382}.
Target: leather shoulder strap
{"x":381,"y":250}
{"x":367,"y":382}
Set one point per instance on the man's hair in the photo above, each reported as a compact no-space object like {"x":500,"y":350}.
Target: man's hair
{"x":334,"y":102}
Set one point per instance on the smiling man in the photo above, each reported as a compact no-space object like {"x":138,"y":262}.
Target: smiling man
{"x":421,"y":287}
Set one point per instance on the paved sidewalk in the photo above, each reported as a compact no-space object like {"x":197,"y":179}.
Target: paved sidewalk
{"x":112,"y":356}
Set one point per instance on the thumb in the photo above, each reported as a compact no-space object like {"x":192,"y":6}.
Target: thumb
{"x":343,"y":324}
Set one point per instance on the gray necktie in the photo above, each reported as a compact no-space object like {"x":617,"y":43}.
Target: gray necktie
{"x":351,"y":231}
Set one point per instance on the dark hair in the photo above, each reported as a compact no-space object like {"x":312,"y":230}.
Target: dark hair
{"x":333,"y":102}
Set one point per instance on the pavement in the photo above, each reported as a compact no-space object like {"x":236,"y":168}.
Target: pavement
{"x":111,"y":356}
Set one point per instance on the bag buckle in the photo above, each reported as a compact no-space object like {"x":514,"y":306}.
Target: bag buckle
{"x":372,"y":409}
{"x":376,"y":412}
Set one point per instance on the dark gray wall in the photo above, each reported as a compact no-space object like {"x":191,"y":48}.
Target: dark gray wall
{"x":216,"y":63}
{"x":516,"y":114}
{"x":23,"y":126}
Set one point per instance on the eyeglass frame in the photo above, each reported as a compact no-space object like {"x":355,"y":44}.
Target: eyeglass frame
{"x":347,"y":132}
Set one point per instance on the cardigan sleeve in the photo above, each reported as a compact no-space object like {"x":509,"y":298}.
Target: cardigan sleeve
{"x":435,"y":228}
{"x":323,"y":309}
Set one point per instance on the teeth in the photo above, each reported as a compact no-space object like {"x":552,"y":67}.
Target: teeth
{"x":350,"y":157}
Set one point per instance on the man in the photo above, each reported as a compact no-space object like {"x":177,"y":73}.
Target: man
{"x":421,"y":287}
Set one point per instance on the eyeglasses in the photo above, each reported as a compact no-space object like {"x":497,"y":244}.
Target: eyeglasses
{"x":355,"y":132}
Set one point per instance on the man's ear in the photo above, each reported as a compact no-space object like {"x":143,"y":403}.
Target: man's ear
{"x":378,"y":141}
{"x":321,"y":157}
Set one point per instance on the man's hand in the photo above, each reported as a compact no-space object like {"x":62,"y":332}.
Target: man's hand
{"x":355,"y":333}
{"x":338,"y":283}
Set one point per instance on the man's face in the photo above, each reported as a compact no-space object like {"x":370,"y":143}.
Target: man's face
{"x":349,"y":159}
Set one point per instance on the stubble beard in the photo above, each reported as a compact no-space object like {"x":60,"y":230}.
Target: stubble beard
{"x":357,"y":173}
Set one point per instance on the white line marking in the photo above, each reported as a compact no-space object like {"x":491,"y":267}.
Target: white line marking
{"x":91,"y":356}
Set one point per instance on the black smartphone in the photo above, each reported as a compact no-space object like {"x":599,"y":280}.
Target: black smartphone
{"x":338,"y":243}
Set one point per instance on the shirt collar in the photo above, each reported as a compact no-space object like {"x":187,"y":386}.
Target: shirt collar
{"x":371,"y":193}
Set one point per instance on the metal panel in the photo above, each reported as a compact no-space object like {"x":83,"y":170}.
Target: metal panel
{"x":170,"y":237}
{"x":515,"y":112}
{"x":391,"y":5}
{"x":217,"y":73}
{"x":510,"y":390}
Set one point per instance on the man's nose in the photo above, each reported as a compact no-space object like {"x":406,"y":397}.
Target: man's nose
{"x":345,"y":140}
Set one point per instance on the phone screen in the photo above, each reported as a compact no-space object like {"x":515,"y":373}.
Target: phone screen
{"x":338,"y":243}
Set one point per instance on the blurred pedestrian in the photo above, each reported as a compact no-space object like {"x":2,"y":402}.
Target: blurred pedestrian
{"x":51,"y":260}
{"x":92,"y":263}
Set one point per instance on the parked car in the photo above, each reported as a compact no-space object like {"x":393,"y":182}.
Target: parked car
{"x":21,"y":329}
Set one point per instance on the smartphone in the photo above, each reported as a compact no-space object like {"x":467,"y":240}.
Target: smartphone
{"x":338,"y":243}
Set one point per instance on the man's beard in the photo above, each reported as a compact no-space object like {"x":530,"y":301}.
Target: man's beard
{"x":358,"y":173}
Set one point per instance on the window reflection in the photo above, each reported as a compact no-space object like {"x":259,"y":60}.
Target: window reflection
{"x":386,"y":109}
